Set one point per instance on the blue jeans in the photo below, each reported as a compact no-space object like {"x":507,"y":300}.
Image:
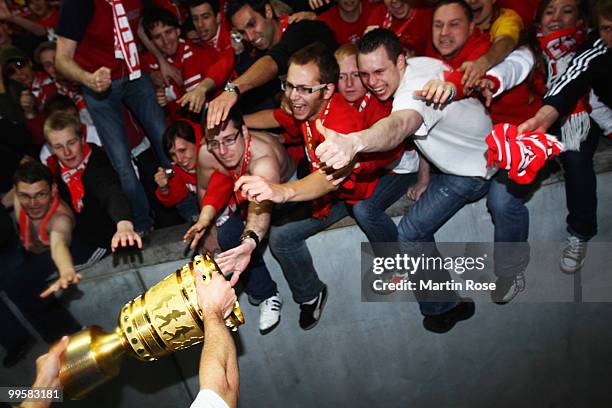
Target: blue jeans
{"x":370,"y":214}
{"x":506,"y":203}
{"x":258,"y":283}
{"x":288,"y":245}
{"x":105,"y":109}
{"x":189,"y":208}
{"x":445,"y":195}
{"x":581,"y":187}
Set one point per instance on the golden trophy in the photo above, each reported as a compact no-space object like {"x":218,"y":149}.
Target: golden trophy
{"x":164,"y":319}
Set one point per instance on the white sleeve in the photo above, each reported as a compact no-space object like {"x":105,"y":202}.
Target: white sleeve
{"x":513,"y":70}
{"x":419,"y":71}
{"x":208,"y":399}
{"x":601,"y":113}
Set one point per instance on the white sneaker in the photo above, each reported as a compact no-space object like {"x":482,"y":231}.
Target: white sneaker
{"x":270,"y":313}
{"x":573,"y":255}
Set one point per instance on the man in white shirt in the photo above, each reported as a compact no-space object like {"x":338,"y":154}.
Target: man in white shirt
{"x":452,"y":138}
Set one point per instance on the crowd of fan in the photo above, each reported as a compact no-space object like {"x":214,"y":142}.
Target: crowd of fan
{"x":259,"y":120}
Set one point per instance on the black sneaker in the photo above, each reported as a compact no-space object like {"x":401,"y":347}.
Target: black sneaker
{"x":444,"y":322}
{"x":506,"y":288}
{"x":310,"y":314}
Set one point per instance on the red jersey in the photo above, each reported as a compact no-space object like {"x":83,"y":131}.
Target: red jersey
{"x":350,"y":33}
{"x":97,"y":47}
{"x":179,"y":186}
{"x":175,"y":7}
{"x":292,"y":138}
{"x":414,"y":31}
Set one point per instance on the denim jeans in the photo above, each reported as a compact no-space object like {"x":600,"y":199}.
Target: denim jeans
{"x":445,"y":195}
{"x":506,"y":203}
{"x":189,"y":208}
{"x":258,"y":283}
{"x":370,"y":214}
{"x":581,"y":187}
{"x":288,"y":245}
{"x":105,"y":110}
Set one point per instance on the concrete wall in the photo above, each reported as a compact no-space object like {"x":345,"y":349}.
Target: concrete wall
{"x":541,"y":354}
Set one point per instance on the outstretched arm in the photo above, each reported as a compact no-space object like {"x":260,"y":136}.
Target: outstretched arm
{"x":339,"y":150}
{"x":60,"y":236}
{"x":218,"y":363}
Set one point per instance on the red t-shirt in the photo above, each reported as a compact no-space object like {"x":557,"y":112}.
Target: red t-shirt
{"x":414,"y":31}
{"x":292,"y":138}
{"x":349,"y":33}
{"x":49,"y":22}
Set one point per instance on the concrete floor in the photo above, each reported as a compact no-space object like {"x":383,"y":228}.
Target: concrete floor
{"x":544,"y":350}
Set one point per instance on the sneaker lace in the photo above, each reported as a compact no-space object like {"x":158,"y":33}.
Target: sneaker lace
{"x":519,"y":282}
{"x":574,"y":249}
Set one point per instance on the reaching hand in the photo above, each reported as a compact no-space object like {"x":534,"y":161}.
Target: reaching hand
{"x":194,"y":100}
{"x":436,"y":91}
{"x":66,"y":279}
{"x":486,"y":87}
{"x":125,"y":236}
{"x":258,"y":189}
{"x":315,"y":4}
{"x":543,"y":119}
{"x":236,"y":260}
{"x":160,"y":93}
{"x":337,"y":150}
{"x":302,"y":15}
{"x":473,"y":71}
{"x":196,"y":232}
{"x":219,"y":108}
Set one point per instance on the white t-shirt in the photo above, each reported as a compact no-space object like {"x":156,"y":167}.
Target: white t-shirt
{"x":451,"y":137}
{"x":208,"y":399}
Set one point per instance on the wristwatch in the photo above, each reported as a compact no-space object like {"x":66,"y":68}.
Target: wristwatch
{"x":250,"y":234}
{"x":232,"y":87}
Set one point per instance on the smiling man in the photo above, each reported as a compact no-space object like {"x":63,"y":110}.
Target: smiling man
{"x":275,"y":38}
{"x":88,"y":182}
{"x":241,"y":152}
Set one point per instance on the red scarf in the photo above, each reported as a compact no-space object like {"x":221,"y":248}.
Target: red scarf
{"x":477,"y":45}
{"x":389,"y":22}
{"x":364,"y":101}
{"x":523,"y":155}
{"x":559,"y":48}
{"x":73,"y":177}
{"x":244,"y":167}
{"x":125,"y":42}
{"x":25,"y":226}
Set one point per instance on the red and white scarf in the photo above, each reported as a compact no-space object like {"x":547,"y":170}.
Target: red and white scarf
{"x":125,"y":42}
{"x":73,"y":177}
{"x":559,"y":49}
{"x":364,"y":102}
{"x":523,"y":155}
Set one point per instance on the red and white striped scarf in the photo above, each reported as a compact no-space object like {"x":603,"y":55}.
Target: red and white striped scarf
{"x":559,"y":48}
{"x":125,"y":43}
{"x":523,"y":155}
{"x":73,"y":177}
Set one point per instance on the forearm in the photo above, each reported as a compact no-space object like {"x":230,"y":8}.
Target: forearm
{"x":262,"y":71}
{"x":309,"y":188}
{"x":67,"y":66}
{"x":263,"y":119}
{"x":500,"y":49}
{"x":29,"y":25}
{"x":218,"y":364}
{"x":207,"y":215}
{"x":205,"y":86}
{"x":61,"y":256}
{"x":258,"y":218}
{"x":387,"y":133}
{"x":513,"y":70}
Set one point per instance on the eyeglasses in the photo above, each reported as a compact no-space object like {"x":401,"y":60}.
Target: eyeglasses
{"x":287,"y":87}
{"x":227,"y":142}
{"x":36,"y":197}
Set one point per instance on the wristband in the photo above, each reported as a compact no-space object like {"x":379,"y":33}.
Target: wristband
{"x":250,"y":234}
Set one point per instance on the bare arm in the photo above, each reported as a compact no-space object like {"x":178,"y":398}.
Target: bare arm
{"x":474,"y":70}
{"x":339,"y":150}
{"x":98,"y":81}
{"x":218,"y":363}
{"x":263,"y":119}
{"x":60,"y":236}
{"x":543,"y":119}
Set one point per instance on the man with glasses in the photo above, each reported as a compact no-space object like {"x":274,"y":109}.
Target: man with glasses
{"x":275,"y":40}
{"x":242,"y":152}
{"x":45,"y":229}
{"x":310,"y":89}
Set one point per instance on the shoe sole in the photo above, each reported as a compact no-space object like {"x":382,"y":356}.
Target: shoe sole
{"x":572,"y":271}
{"x":320,"y":314}
{"x":269,"y":329}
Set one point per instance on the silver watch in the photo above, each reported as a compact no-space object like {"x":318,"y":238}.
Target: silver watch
{"x":232,"y":87}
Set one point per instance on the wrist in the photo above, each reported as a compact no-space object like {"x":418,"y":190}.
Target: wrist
{"x":164,"y":190}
